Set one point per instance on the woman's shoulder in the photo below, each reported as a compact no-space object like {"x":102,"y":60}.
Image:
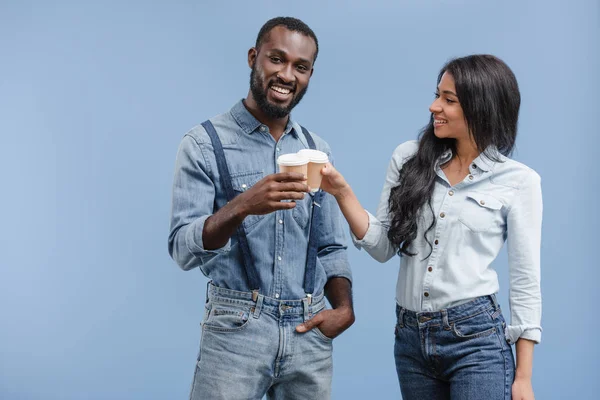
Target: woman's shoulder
{"x":405,"y":151}
{"x":511,"y":172}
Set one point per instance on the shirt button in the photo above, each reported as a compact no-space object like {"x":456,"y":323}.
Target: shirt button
{"x":278,"y":149}
{"x":426,"y":294}
{"x":276,"y":295}
{"x":429,"y":269}
{"x":451,"y":193}
{"x":263,"y":128}
{"x":244,"y":186}
{"x":279,"y":258}
{"x":471,"y":177}
{"x":442,"y":215}
{"x":474,"y":166}
{"x":281,"y":221}
{"x":436,"y":241}
{"x":482,"y":202}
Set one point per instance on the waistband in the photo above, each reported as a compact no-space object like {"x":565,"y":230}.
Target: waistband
{"x":451,"y":314}
{"x":306,"y":306}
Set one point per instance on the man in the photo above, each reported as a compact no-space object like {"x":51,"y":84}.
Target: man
{"x":271,"y":250}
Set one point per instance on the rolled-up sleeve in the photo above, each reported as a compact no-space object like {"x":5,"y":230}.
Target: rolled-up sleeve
{"x":192,"y":204}
{"x":524,"y":230}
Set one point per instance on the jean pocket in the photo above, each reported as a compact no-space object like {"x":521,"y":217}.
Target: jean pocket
{"x":322,"y":336}
{"x":241,"y":182}
{"x":222,"y":318}
{"x":476,"y":326}
{"x":480,"y":212}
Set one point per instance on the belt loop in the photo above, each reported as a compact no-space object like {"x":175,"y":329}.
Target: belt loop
{"x":258,"y":306}
{"x":495,"y":302}
{"x":496,"y":306}
{"x":401,"y":318}
{"x":207,"y":289}
{"x":445,"y":321}
{"x":306,"y":306}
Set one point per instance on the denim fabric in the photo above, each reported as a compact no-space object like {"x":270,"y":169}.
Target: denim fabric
{"x":496,"y":202}
{"x":249,"y":349}
{"x":457,"y":353}
{"x":278,"y":241}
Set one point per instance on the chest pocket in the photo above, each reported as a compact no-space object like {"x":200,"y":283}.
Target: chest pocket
{"x":241,"y":182}
{"x":302,"y":210}
{"x":480,"y":212}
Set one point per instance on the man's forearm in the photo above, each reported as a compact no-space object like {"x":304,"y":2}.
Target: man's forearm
{"x":339,"y":293}
{"x":220,"y":226}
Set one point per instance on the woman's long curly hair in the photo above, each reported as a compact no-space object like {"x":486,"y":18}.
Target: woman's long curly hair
{"x":489,"y":95}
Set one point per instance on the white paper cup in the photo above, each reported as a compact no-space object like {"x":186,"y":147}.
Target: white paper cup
{"x":293,"y":162}
{"x":317,"y":160}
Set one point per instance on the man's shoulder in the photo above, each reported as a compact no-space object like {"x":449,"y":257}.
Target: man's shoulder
{"x":223,"y":124}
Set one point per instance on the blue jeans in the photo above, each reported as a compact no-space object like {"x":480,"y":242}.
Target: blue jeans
{"x":456,"y":353}
{"x":249,"y":349}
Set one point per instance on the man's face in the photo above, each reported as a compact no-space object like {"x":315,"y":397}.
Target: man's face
{"x":281,"y":69}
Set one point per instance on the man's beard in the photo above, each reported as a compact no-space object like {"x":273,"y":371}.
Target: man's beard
{"x":271,"y":110}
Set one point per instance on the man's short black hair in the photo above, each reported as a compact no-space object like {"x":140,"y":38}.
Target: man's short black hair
{"x":292,"y":24}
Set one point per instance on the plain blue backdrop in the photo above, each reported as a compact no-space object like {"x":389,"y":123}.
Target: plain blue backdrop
{"x":96,"y":96}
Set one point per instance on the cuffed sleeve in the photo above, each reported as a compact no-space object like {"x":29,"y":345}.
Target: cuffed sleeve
{"x":192,"y":204}
{"x":524,"y":227}
{"x":375,"y":241}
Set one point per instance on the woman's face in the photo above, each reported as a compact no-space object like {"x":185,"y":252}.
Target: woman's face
{"x":448,"y":118}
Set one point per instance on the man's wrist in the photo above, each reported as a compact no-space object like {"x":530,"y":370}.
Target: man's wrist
{"x":346,"y":312}
{"x":238,"y":210}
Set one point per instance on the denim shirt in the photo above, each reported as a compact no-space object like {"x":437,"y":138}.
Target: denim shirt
{"x":278,"y":241}
{"x":496,"y":202}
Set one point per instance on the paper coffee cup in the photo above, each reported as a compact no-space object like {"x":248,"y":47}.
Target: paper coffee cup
{"x":293,"y":162}
{"x":317,"y":160}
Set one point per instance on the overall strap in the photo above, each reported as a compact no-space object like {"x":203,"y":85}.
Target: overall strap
{"x":313,"y":239}
{"x":228,"y":186}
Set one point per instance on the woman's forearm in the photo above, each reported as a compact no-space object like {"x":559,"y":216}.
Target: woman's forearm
{"x":355,"y":214}
{"x":524,"y":358}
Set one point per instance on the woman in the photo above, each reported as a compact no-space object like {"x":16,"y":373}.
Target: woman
{"x":448,"y":204}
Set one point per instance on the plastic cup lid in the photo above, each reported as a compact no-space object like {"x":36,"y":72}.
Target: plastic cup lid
{"x":315,"y":156}
{"x":292,"y":159}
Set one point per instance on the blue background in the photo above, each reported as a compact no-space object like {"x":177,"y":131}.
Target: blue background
{"x":95,"y":97}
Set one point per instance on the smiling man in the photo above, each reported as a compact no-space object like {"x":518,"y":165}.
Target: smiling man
{"x":272,"y":250}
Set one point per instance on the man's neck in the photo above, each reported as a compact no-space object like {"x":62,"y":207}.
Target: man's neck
{"x":276,"y":125}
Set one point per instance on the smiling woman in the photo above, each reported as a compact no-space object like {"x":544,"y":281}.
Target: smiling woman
{"x":448,"y":204}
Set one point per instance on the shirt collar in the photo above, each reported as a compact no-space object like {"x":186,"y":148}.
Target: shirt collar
{"x":250,"y":124}
{"x":484,"y":161}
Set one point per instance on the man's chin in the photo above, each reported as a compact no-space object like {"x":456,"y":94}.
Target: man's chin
{"x":275,"y":110}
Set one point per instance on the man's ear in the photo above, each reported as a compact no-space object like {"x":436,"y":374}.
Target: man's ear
{"x":252,"y":54}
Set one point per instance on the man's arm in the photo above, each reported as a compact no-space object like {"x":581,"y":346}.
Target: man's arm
{"x":262,"y":198}
{"x":197,"y":235}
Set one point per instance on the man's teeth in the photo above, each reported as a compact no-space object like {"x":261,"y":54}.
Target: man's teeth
{"x":280,"y":90}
